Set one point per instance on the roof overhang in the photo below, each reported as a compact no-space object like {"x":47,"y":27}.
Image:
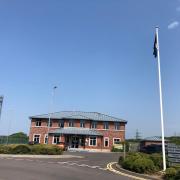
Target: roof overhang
{"x":76,"y":131}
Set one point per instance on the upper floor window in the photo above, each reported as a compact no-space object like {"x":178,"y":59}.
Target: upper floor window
{"x":61,"y":124}
{"x":82,"y":124}
{"x":117,"y":126}
{"x":36,"y":138}
{"x":106,"y":125}
{"x":71,"y":123}
{"x":94,"y":125}
{"x":38,"y":123}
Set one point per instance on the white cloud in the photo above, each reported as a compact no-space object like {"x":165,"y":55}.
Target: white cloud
{"x":173,"y":25}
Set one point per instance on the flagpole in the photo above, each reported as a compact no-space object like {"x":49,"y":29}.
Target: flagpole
{"x":161,"y":102}
{"x":50,"y":113}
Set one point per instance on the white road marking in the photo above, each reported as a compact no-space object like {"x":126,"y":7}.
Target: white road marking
{"x":19,"y":159}
{"x":28,"y":159}
{"x":9,"y":158}
{"x":66,"y":163}
{"x":62,"y":162}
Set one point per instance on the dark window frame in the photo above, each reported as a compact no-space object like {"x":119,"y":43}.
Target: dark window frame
{"x":71,"y":123}
{"x":117,"y":126}
{"x":38,"y":123}
{"x":106,"y":125}
{"x":82,"y":124}
{"x":92,"y":141}
{"x":61,"y":124}
{"x":94,"y":125}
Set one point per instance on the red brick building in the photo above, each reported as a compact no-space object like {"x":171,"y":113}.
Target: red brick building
{"x":83,"y":130}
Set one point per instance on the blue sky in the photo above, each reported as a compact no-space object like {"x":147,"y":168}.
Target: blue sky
{"x":98,"y":53}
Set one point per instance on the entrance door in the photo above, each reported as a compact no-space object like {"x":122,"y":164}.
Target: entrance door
{"x":74,"y":142}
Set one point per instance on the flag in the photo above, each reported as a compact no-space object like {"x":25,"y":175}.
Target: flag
{"x":1,"y":102}
{"x":155,"y":52}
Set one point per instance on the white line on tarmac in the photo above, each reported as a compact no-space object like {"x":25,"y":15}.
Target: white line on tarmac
{"x":65,"y":162}
{"x":28,"y":159}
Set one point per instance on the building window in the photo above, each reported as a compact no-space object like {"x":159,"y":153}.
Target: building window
{"x":61,"y":124}
{"x":82,"y":124}
{"x":117,"y":126}
{"x":38,"y":123}
{"x":36,"y":138}
{"x":106,"y":125}
{"x":56,"y":139}
{"x":71,"y":124}
{"x":92,"y":141}
{"x":116,"y":141}
{"x":94,"y":125}
{"x":106,"y":142}
{"x":49,"y":124}
{"x":46,"y":139}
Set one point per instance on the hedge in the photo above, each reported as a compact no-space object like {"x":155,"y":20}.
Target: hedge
{"x":170,"y":173}
{"x":30,"y":149}
{"x":142,"y":163}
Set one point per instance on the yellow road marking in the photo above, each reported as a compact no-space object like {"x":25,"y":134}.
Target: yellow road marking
{"x":109,"y":167}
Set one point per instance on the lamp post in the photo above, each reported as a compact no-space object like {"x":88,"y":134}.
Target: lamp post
{"x":9,"y":126}
{"x":50,"y":113}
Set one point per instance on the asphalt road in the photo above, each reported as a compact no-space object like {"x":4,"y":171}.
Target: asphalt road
{"x":91,"y":167}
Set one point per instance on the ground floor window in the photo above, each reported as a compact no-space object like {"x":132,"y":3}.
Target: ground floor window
{"x":92,"y":141}
{"x":36,"y":138}
{"x":56,"y":139}
{"x":46,"y":139}
{"x":106,"y":142}
{"x":116,"y":141}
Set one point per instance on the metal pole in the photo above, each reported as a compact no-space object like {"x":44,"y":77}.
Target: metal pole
{"x":49,"y":119}
{"x":124,"y":150}
{"x":161,"y":102}
{"x":1,"y":103}
{"x":9,"y":126}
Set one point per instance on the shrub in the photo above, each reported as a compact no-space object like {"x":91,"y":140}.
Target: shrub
{"x":30,"y":149}
{"x":46,"y":149}
{"x":170,"y":173}
{"x":142,"y":165}
{"x":138,"y":162}
{"x":177,"y":177}
{"x":6,"y":149}
{"x":157,"y":160}
{"x":21,"y":149}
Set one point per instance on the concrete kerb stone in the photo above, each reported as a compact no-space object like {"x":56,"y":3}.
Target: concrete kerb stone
{"x":38,"y":156}
{"x":114,"y":167}
{"x":151,"y":177}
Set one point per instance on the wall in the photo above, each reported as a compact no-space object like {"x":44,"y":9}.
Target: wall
{"x":110,"y":133}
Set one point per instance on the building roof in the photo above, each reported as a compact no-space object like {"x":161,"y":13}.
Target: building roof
{"x":76,"y":131}
{"x":79,"y":115}
{"x":153,"y":138}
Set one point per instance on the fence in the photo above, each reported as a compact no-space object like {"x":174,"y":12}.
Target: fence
{"x":13,"y":140}
{"x":173,"y":154}
{"x":134,"y":146}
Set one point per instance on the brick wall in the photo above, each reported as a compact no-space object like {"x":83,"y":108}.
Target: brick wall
{"x":110,"y":133}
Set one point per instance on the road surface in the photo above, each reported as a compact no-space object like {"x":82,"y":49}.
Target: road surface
{"x":91,"y":167}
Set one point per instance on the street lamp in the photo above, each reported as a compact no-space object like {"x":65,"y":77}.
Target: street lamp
{"x":50,"y":113}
